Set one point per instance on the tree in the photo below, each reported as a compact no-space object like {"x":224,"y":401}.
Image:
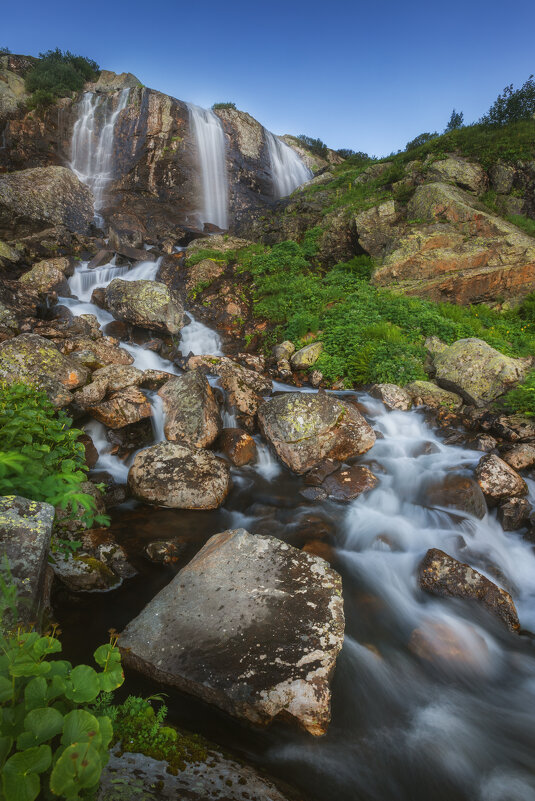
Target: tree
{"x":456,"y":121}
{"x":316,"y":146}
{"x":421,"y":139}
{"x":512,"y":104}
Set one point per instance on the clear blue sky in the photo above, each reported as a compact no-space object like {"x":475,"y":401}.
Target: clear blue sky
{"x":364,"y":75}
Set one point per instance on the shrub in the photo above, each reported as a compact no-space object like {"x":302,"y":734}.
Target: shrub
{"x":5,"y":51}
{"x":316,"y":146}
{"x":521,"y":400}
{"x":41,"y":457}
{"x":224,"y":105}
{"x":421,"y":139}
{"x":58,"y":74}
{"x":512,"y":105}
{"x":456,"y":121}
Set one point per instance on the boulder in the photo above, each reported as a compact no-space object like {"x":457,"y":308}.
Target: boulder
{"x":393,"y":397}
{"x":305,"y":428}
{"x":514,"y":513}
{"x":497,"y":480}
{"x":520,"y":457}
{"x":425,"y":393}
{"x":267,"y":624}
{"x":284,"y":350}
{"x":238,"y":446}
{"x":501,"y":178}
{"x":307,"y":356}
{"x":466,"y":174}
{"x":347,"y":484}
{"x":179,"y":476}
{"x":34,"y":360}
{"x":25,"y":532}
{"x":32,"y":200}
{"x":477,"y":371}
{"x":207,"y":776}
{"x":245,"y":388}
{"x":190,"y":409}
{"x":204,"y":273}
{"x":149,"y":304}
{"x":442,"y":575}
{"x":49,"y":275}
{"x":456,"y":491}
{"x":121,"y":408}
{"x":84,"y":573}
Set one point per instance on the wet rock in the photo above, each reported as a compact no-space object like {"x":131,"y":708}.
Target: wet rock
{"x":425,"y":393}
{"x":393,"y":397}
{"x":84,"y":573}
{"x":180,"y":477}
{"x":121,"y":408}
{"x":478,"y":372}
{"x":91,"y":453}
{"x":34,"y":360}
{"x":439,"y":643}
{"x":315,"y":378}
{"x":238,"y":446}
{"x":457,"y":492}
{"x":101,"y":544}
{"x":319,"y":472}
{"x":155,"y":379}
{"x":349,"y":483}
{"x":102,"y":257}
{"x":215,"y":777}
{"x":320,"y":549}
{"x":519,"y":457}
{"x":49,"y":276}
{"x":165,"y":551}
{"x":307,"y":356}
{"x":440,"y":574}
{"x":190,"y":409}
{"x":314,"y":493}
{"x":131,"y":437}
{"x":513,"y":428}
{"x":148,"y":304}
{"x":514,"y":513}
{"x":484,"y":442}
{"x":284,"y":351}
{"x":25,"y":532}
{"x":305,"y":428}
{"x":267,"y":623}
{"x":498,"y":480}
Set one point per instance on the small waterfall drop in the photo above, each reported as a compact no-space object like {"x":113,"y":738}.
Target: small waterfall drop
{"x":210,"y":139}
{"x":198,"y":339}
{"x":287,"y":168}
{"x":91,"y":149}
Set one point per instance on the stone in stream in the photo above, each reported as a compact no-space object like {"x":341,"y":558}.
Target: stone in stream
{"x":498,"y":480}
{"x":306,"y":428}
{"x":251,"y":625}
{"x":349,"y":483}
{"x":514,"y":513}
{"x":519,"y":457}
{"x":121,"y":408}
{"x":149,"y":304}
{"x":442,"y":575}
{"x":238,"y":446}
{"x":457,"y":492}
{"x":190,"y":409}
{"x":179,"y":476}
{"x":393,"y":397}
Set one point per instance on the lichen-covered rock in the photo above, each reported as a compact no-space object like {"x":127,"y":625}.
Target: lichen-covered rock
{"x":25,"y":531}
{"x":204,"y":273}
{"x":498,"y":480}
{"x":425,"y":393}
{"x":267,"y":623}
{"x":179,"y":476}
{"x":238,"y":446}
{"x":456,"y":491}
{"x":520,"y":457}
{"x":49,"y":275}
{"x":32,"y":200}
{"x":393,"y":397}
{"x":121,"y":408}
{"x":305,"y":428}
{"x":84,"y":573}
{"x":34,"y":360}
{"x":477,"y":371}
{"x":284,"y":350}
{"x":514,"y":513}
{"x":307,"y":356}
{"x":149,"y":304}
{"x":442,"y":575}
{"x":190,"y":409}
{"x":466,"y":174}
{"x":347,"y":484}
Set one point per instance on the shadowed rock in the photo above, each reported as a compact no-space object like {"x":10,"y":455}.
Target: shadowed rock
{"x":148,"y":304}
{"x":191,"y":411}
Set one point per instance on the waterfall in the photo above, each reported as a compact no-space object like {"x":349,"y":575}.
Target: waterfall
{"x":287,"y":168}
{"x":91,"y":149}
{"x":210,"y":139}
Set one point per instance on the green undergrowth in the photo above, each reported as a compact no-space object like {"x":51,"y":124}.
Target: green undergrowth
{"x":523,"y":222}
{"x":370,"y":334}
{"x":521,"y":400}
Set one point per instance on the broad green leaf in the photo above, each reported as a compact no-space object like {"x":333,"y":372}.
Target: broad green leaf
{"x":44,"y":723}
{"x":111,"y":678}
{"x":35,"y":693}
{"x":56,"y":687}
{"x":80,"y":726}
{"x":5,"y":748}
{"x":19,"y":777}
{"x":47,"y":645}
{"x":106,"y":730}
{"x":60,"y":667}
{"x":106,"y":655}
{"x":84,"y":684}
{"x":6,"y":689}
{"x":79,"y":767}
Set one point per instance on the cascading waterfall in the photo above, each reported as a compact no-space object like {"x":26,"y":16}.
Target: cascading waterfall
{"x":91,"y":150}
{"x":287,"y":168}
{"x":210,"y":139}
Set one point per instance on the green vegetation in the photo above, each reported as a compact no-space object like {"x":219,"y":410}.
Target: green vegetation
{"x":41,"y":457}
{"x":512,"y":105}
{"x":421,"y":139}
{"x":456,"y":121}
{"x":224,"y":105}
{"x":58,"y":74}
{"x":521,"y":400}
{"x":355,"y":157}
{"x":316,"y":146}
{"x":5,"y":51}
{"x":525,"y":223}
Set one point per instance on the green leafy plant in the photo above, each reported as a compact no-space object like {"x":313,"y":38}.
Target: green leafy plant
{"x":421,"y":139}
{"x":41,"y":457}
{"x":224,"y":105}
{"x":58,"y":74}
{"x":316,"y":146}
{"x":521,"y":399}
{"x":512,"y":104}
{"x":456,"y":121}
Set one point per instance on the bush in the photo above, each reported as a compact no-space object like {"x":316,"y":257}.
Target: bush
{"x":41,"y":458}
{"x":456,"y":121}
{"x":512,"y":105}
{"x":521,"y":400}
{"x":421,"y":139}
{"x":224,"y":105}
{"x":316,"y":146}
{"x":58,"y":74}
{"x":5,"y":51}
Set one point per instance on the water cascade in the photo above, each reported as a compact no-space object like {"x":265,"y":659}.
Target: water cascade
{"x":287,"y":168}
{"x":210,"y":139}
{"x":92,"y":150}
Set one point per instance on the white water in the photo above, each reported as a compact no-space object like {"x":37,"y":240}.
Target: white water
{"x":198,"y":339}
{"x":288,"y":170}
{"x":92,"y":150}
{"x":210,"y":139}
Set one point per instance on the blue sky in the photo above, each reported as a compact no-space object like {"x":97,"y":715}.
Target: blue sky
{"x":369,"y":76}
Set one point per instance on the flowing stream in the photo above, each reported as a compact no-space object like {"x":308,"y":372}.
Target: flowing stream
{"x":211,"y":147}
{"x":288,"y":170}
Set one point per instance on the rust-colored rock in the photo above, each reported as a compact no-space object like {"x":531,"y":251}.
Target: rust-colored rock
{"x":238,"y":446}
{"x":497,"y":480}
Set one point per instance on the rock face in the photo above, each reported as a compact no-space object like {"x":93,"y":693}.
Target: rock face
{"x":34,"y":360}
{"x":180,"y":477}
{"x":25,"y":531}
{"x":191,"y":411}
{"x":514,"y":513}
{"x":497,"y":480}
{"x":345,"y":485}
{"x":305,"y":428}
{"x":216,"y":778}
{"x":49,"y":275}
{"x":478,"y":372}
{"x":32,"y":200}
{"x":440,"y":574}
{"x":148,"y":304}
{"x":466,"y":174}
{"x":267,"y":622}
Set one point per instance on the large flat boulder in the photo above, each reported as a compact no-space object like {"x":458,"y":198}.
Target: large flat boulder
{"x":25,"y":531}
{"x":149,"y":304}
{"x":190,"y":409}
{"x":305,"y":428}
{"x":179,"y":476}
{"x":251,"y":625}
{"x":476,"y":371}
{"x":32,"y":200}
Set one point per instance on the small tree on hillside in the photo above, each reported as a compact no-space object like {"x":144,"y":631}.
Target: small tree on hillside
{"x":456,"y":121}
{"x":421,"y":139}
{"x":512,"y":104}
